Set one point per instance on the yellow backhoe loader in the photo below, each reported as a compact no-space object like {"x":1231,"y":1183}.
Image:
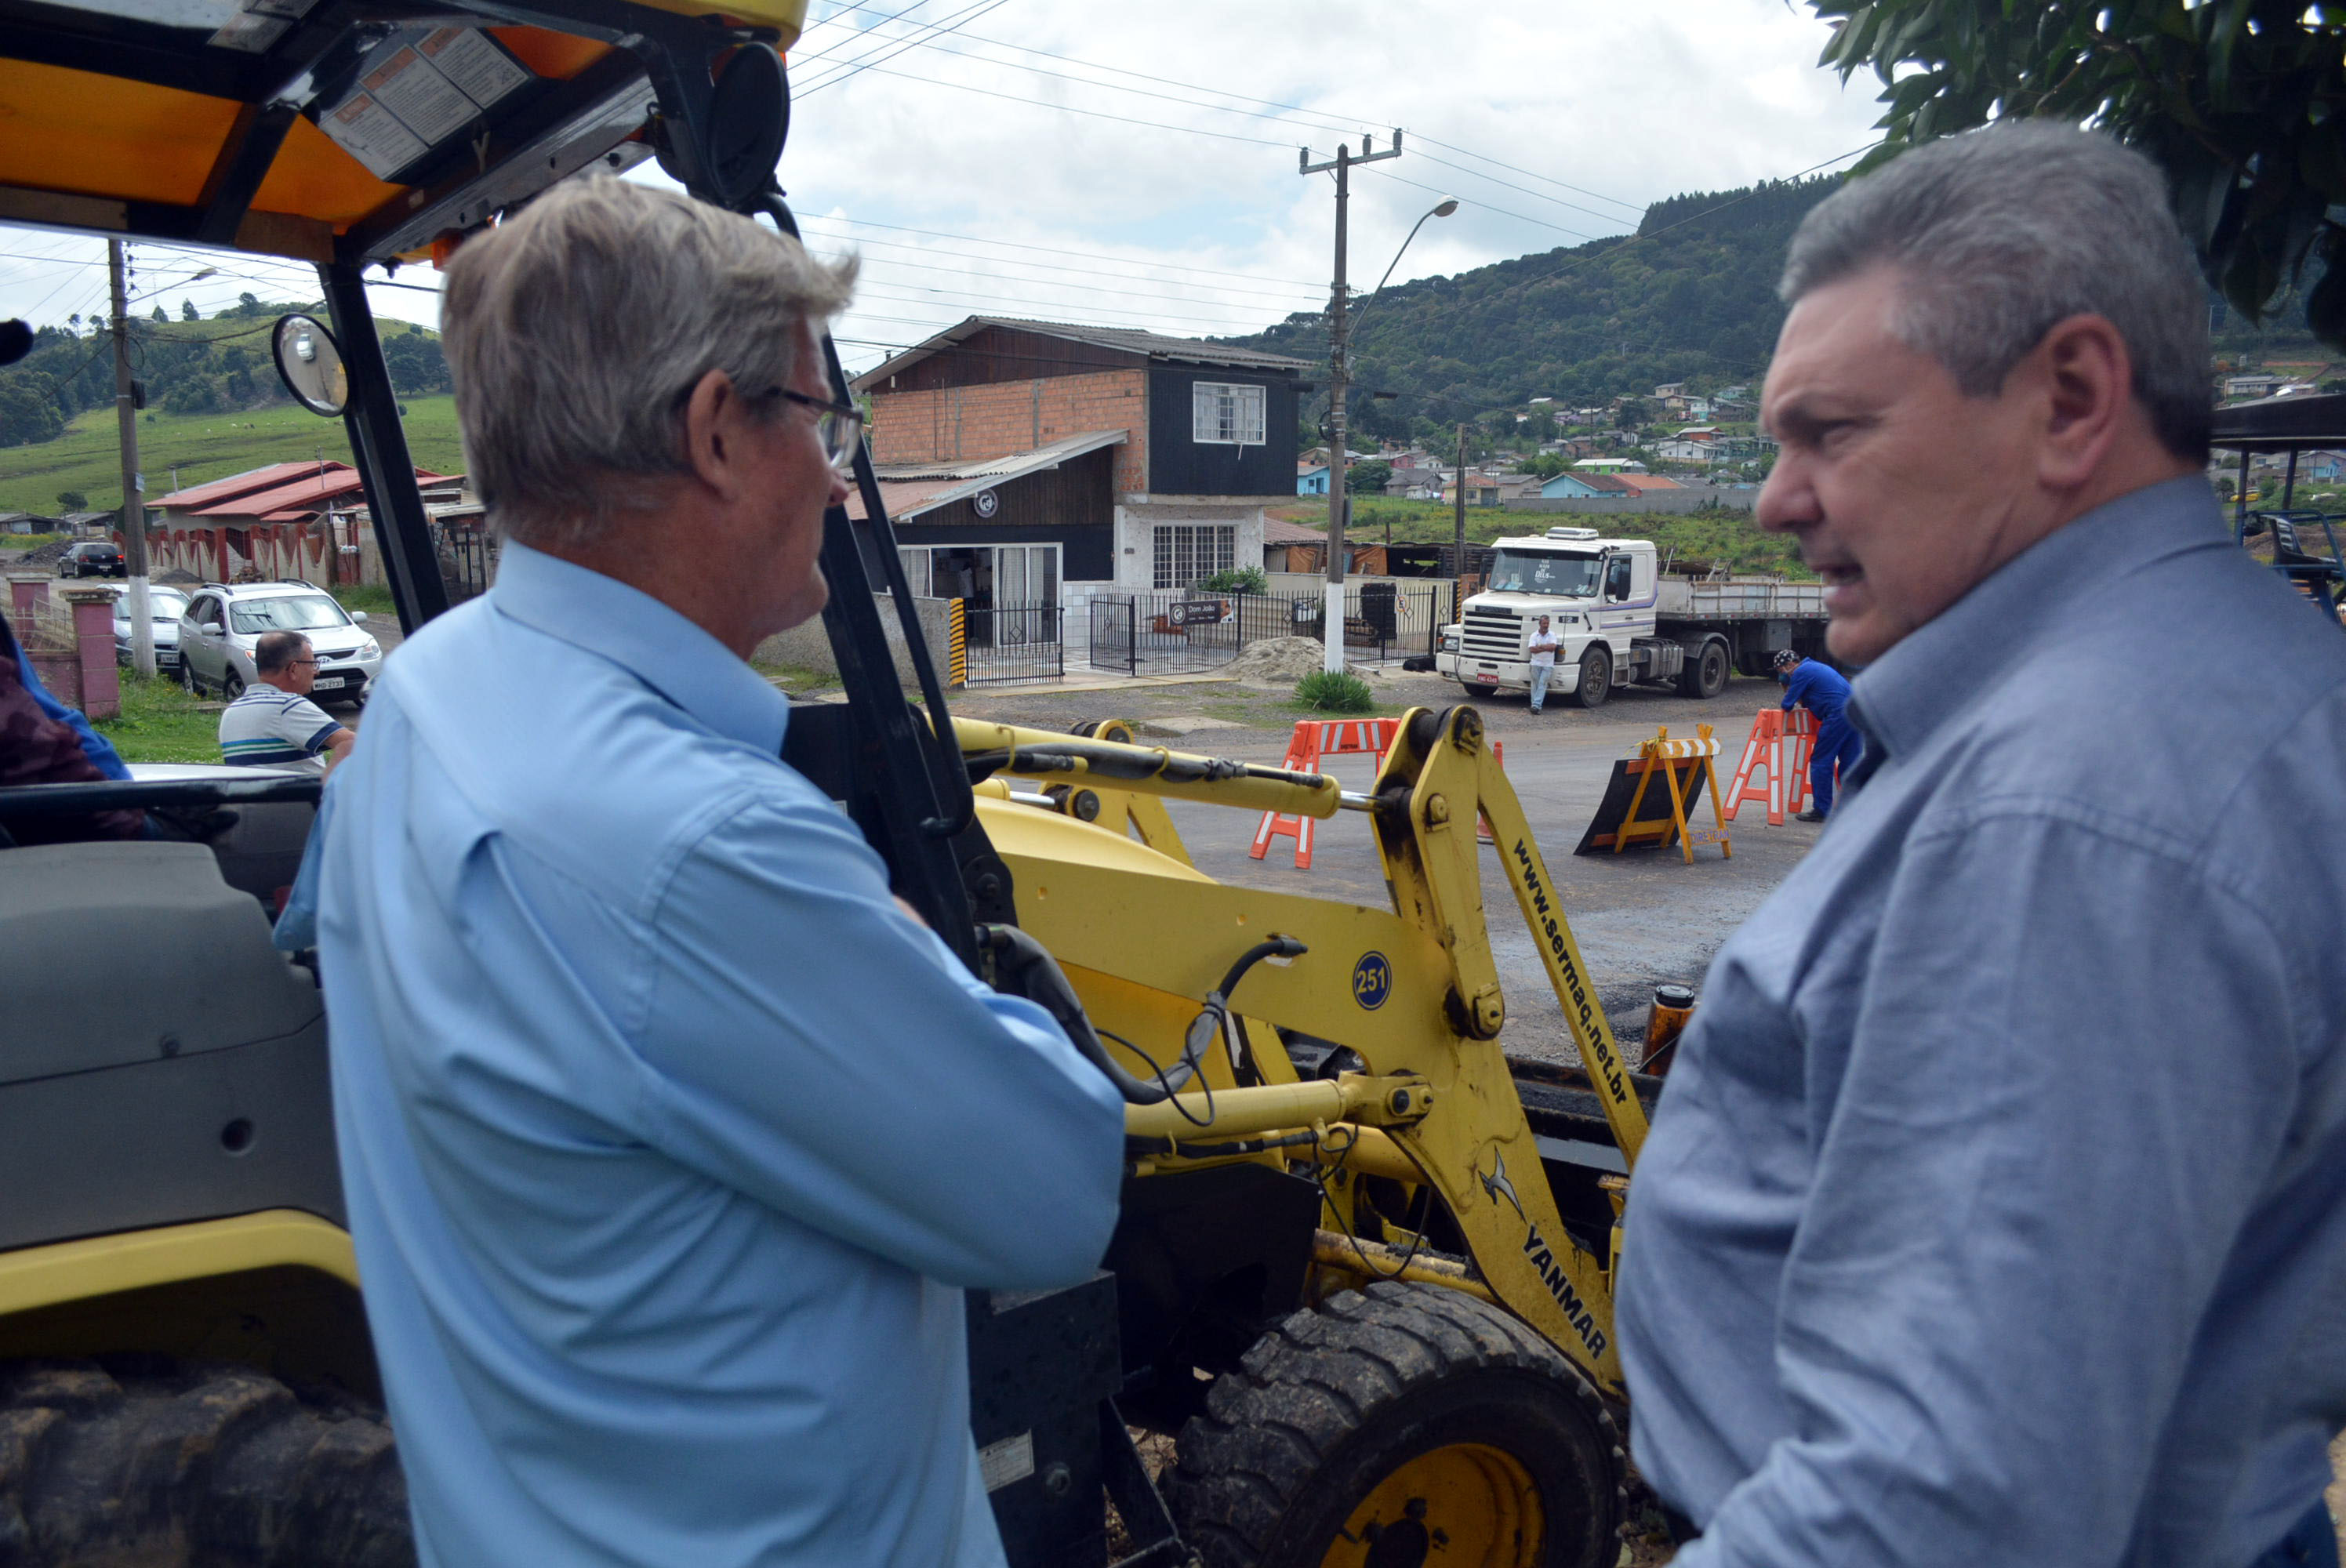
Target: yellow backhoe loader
{"x":1363,"y":1274}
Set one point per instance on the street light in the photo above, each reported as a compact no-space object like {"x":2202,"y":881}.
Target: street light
{"x":1442,"y":209}
{"x":1339,"y":378}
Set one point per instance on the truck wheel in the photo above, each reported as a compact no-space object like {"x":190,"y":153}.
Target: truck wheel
{"x":1392,"y":1423}
{"x":182,"y":1467}
{"x":1704,"y":674}
{"x":1596,"y":679}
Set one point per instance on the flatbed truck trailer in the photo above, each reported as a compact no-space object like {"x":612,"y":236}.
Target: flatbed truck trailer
{"x":1619,"y":618}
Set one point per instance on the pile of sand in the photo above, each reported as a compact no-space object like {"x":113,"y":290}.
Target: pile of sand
{"x":1279,"y":661}
{"x":48,"y":555}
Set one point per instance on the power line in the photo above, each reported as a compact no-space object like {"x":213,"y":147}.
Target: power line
{"x":1234,"y":306}
{"x":1060,"y":250}
{"x":870,"y":60}
{"x":1070,"y":109}
{"x":1520,"y":217}
{"x":1082,"y":271}
{"x":1220,"y":108}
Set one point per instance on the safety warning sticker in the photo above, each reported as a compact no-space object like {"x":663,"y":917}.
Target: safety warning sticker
{"x":431,"y":86}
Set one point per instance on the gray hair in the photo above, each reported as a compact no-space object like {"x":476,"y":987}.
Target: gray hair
{"x":2002,"y":232}
{"x":574,"y":330}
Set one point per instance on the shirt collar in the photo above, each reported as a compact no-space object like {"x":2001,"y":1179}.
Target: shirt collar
{"x":646,"y":638}
{"x":1897,"y":701}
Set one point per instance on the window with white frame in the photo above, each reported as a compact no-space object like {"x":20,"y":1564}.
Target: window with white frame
{"x":1187,"y":551}
{"x":1226,"y":414}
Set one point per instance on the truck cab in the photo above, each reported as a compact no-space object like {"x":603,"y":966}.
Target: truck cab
{"x":1598,"y":595}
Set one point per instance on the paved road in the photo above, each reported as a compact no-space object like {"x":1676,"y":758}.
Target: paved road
{"x":1642,"y":918}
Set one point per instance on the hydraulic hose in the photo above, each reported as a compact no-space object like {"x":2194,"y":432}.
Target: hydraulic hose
{"x":1027,"y":969}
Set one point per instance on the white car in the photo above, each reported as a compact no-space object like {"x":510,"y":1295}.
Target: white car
{"x":225,"y":621}
{"x":165,"y":605}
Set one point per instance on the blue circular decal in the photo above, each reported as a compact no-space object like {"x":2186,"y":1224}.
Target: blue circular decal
{"x":1372,"y":981}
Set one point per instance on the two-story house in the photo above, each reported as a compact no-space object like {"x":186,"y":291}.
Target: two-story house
{"x":1043,"y":462}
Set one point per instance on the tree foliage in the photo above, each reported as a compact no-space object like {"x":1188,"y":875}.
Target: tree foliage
{"x":188,"y":365}
{"x":2238,"y":100}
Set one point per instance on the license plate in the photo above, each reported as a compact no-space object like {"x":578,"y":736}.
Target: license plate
{"x":332,"y":683}
{"x":1485,"y":679}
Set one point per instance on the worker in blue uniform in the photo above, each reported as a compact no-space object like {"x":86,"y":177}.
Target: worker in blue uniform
{"x":1816,"y":685}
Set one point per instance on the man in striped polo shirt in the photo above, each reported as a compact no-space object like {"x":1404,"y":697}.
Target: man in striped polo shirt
{"x":273,"y":723}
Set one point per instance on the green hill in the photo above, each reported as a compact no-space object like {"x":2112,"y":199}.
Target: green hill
{"x":205,"y":446}
{"x":1689,"y":298}
{"x":214,"y":404}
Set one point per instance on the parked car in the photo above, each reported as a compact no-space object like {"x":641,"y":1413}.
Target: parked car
{"x":165,"y":605}
{"x":225,"y":621}
{"x":92,"y":558}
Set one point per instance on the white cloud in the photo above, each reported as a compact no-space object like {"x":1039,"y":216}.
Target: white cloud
{"x":1093,"y":219}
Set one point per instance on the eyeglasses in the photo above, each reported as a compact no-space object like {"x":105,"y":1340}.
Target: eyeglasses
{"x":840,"y":425}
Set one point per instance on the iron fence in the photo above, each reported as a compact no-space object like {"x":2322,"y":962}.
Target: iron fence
{"x":1196,"y":631}
{"x":1015,"y":643}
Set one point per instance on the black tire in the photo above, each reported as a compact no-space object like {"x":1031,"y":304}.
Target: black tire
{"x":231,"y":683}
{"x":1471,"y":690}
{"x":187,"y":676}
{"x":1336,"y":1416}
{"x":192,"y":1467}
{"x":1596,"y":678}
{"x":1704,"y":675}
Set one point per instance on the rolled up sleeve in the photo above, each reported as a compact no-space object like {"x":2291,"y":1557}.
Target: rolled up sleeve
{"x":808,"y":1044}
{"x":2054,"y":1116}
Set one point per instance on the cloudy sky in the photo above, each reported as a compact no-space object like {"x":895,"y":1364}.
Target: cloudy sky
{"x":1136,"y":166}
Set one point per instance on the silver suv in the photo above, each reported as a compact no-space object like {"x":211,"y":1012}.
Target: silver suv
{"x":225,"y":621}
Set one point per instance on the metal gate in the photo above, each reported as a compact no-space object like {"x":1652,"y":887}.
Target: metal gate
{"x":1015,"y":643}
{"x":1197,"y":632}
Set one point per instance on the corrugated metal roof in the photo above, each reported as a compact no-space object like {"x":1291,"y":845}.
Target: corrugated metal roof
{"x":1278,"y":531}
{"x":251,"y":481}
{"x":1127,"y":340}
{"x":907,"y":489}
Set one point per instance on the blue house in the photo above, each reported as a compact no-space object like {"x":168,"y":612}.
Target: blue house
{"x":1312,"y":479}
{"x":1569,"y":485}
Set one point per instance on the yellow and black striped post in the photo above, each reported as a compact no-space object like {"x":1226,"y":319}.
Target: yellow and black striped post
{"x":957,"y":646}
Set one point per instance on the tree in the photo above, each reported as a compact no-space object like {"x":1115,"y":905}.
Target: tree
{"x":187,"y":311}
{"x":415,"y":363}
{"x":2240,"y":101}
{"x":72,"y":501}
{"x":160,"y":314}
{"x":1368,"y":478}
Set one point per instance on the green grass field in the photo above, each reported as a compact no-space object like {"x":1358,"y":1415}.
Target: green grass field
{"x":204,"y":446}
{"x":1731,"y":538}
{"x":161,"y":723}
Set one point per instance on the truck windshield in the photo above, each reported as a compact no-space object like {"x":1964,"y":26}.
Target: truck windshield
{"x":1525,"y":572}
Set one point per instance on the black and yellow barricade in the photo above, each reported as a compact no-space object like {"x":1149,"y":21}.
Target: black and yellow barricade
{"x":1634,"y":813}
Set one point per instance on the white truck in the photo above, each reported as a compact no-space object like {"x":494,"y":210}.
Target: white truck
{"x":1618,"y":619}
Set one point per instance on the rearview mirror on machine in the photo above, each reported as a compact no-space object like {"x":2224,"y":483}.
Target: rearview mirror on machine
{"x":310,"y":362}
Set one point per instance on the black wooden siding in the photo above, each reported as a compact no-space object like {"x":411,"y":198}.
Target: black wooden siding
{"x":1178,"y":464}
{"x":1071,"y":505}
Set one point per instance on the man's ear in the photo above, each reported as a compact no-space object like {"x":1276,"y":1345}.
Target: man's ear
{"x":714,"y":416}
{"x":2087,"y":379}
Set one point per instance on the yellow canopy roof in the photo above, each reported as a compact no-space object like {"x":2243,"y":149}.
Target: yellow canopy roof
{"x":284,"y":127}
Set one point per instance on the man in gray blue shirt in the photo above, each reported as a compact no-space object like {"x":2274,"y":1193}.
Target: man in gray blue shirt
{"x":653,"y":1106}
{"x":1997,"y":1213}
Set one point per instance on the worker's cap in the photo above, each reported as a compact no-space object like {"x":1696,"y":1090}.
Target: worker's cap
{"x":1787,"y":658}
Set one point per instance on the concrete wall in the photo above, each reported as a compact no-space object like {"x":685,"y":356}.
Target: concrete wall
{"x":808,"y":647}
{"x":1687,"y":498}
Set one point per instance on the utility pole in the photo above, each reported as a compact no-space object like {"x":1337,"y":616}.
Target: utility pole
{"x":1458,"y":532}
{"x":1332,"y":622}
{"x":134,"y":483}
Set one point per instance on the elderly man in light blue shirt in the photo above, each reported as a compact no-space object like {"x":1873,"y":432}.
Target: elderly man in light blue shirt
{"x":654,"y":1107}
{"x":1996,"y":1212}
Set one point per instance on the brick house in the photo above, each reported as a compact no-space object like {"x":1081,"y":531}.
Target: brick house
{"x":1174,"y":447}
